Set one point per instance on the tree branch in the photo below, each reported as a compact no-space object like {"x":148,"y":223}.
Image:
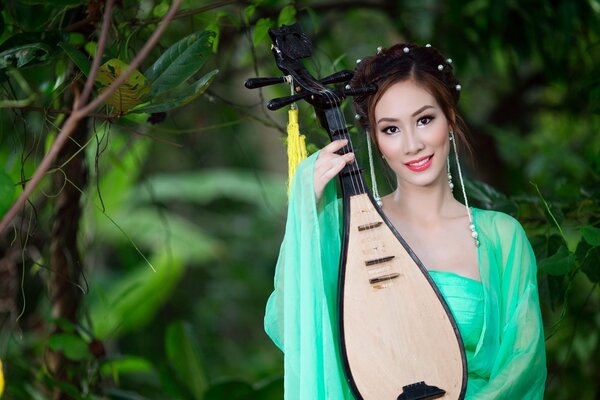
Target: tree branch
{"x":79,"y":112}
{"x":89,"y":83}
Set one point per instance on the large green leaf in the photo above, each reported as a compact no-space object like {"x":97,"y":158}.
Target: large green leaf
{"x":265,"y":191}
{"x":179,"y":98}
{"x":130,"y":302}
{"x":488,"y":197}
{"x":184,"y":357}
{"x":260,"y":30}
{"x":126,"y":365}
{"x":591,"y":235}
{"x":80,"y":59}
{"x":589,"y":259}
{"x":72,"y":346}
{"x":559,"y":263}
{"x":164,"y":232}
{"x":180,"y":62}
{"x":23,"y":55}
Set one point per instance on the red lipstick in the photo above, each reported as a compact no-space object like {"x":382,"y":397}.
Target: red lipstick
{"x":420,"y":164}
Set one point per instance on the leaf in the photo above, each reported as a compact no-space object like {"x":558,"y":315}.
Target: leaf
{"x":589,"y":259}
{"x":488,"y":196}
{"x":287,"y":16}
{"x":248,"y":13}
{"x":260,"y":30}
{"x":180,"y":98}
{"x":180,"y":61}
{"x":204,"y":187}
{"x":132,"y":92}
{"x":72,"y":346}
{"x":22,"y":55}
{"x":591,"y":235}
{"x":7,"y":192}
{"x":134,"y":299}
{"x":78,"y":58}
{"x":560,"y":263}
{"x":127,"y":365}
{"x":184,"y":357}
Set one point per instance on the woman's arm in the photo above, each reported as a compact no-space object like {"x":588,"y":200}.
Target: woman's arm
{"x":519,"y":368}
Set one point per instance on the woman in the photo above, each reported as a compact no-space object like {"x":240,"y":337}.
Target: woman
{"x":481,"y":260}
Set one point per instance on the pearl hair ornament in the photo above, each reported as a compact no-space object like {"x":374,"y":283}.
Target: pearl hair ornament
{"x":406,"y":50}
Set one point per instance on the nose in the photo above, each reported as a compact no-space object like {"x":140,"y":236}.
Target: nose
{"x":412,"y":142}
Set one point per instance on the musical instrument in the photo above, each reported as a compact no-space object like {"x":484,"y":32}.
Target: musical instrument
{"x":398,"y":338}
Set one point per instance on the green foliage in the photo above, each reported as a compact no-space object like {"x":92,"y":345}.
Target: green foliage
{"x":181,"y":221}
{"x":21,"y":56}
{"x":71,"y":345}
{"x":77,"y":57}
{"x":178,"y":63}
{"x":184,"y":358}
{"x":177,"y":97}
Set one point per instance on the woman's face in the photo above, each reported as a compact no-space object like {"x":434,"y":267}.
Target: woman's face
{"x":412,"y":133}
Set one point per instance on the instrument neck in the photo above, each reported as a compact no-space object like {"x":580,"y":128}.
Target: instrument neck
{"x":350,"y":177}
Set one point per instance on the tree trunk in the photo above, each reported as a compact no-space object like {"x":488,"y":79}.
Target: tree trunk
{"x":65,"y":259}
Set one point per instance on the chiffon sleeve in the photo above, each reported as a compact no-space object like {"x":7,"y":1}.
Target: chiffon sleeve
{"x":300,"y":314}
{"x":519,"y":367}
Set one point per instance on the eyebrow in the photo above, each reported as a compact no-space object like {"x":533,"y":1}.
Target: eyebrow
{"x":420,"y":110}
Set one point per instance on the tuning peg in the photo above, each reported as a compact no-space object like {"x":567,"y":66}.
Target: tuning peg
{"x":341,"y":76}
{"x":279,"y":102}
{"x":370,"y":89}
{"x":254,"y":83}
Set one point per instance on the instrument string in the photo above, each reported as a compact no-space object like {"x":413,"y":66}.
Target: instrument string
{"x":372,"y":247}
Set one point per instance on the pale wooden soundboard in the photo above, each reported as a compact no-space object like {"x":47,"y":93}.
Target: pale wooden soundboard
{"x":396,"y":330}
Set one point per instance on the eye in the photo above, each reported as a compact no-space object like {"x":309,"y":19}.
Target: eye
{"x":425,"y":120}
{"x":390,"y":130}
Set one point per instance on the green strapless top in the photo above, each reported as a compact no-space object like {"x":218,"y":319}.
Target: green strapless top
{"x":465,"y":299}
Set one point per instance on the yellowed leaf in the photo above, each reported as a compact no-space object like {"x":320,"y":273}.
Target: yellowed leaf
{"x":133,"y":91}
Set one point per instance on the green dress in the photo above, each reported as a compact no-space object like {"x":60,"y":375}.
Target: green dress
{"x":505,"y":349}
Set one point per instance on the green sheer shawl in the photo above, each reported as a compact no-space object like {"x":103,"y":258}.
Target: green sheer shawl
{"x":301,"y":313}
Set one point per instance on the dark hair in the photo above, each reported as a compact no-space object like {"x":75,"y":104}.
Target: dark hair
{"x":403,"y":62}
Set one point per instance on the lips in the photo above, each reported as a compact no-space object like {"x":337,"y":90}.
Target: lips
{"x":420,"y":164}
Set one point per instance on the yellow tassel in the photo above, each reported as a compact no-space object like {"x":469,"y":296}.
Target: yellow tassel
{"x":296,"y":144}
{"x":1,"y":379}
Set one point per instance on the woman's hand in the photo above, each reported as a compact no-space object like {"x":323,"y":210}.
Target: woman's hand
{"x":329,"y":164}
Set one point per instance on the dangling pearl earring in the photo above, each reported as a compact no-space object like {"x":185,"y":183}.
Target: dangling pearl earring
{"x":376,"y":195}
{"x":450,"y":184}
{"x":474,"y":233}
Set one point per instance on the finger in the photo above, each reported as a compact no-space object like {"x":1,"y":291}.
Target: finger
{"x":335,"y":146}
{"x":332,"y":161}
{"x":333,"y":170}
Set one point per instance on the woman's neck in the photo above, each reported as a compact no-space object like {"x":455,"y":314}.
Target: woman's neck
{"x":424,"y":203}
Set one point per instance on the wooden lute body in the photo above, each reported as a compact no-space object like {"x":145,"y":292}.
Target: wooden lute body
{"x":398,"y":339}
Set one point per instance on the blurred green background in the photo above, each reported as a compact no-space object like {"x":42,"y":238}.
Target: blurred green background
{"x":140,"y":267}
